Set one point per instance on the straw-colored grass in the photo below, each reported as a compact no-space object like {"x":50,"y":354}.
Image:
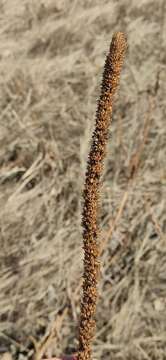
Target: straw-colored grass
{"x":51,"y":58}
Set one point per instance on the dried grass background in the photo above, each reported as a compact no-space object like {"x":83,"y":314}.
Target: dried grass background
{"x":51,"y":61}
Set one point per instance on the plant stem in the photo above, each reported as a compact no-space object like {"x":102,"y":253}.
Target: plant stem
{"x":91,"y":194}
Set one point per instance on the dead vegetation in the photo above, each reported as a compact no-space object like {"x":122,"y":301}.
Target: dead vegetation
{"x":91,"y":194}
{"x":51,"y":60}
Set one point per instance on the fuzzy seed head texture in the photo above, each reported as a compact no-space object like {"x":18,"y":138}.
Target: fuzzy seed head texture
{"x":91,"y":193}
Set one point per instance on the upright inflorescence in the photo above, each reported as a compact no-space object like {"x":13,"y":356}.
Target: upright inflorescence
{"x":111,"y":75}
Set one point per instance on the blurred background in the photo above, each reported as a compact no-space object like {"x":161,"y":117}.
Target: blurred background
{"x":51,"y":61}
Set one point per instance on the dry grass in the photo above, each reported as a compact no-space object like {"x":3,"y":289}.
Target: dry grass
{"x":51,"y":61}
{"x":91,"y":194}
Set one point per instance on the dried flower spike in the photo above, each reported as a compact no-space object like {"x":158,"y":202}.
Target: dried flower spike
{"x":111,"y":75}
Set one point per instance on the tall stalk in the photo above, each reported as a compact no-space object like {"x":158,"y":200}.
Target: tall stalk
{"x":91,"y":194}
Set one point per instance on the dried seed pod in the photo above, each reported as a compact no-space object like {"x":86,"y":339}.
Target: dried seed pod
{"x":91,"y":192}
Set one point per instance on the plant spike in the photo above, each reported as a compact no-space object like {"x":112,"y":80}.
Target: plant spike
{"x":91,"y":193}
